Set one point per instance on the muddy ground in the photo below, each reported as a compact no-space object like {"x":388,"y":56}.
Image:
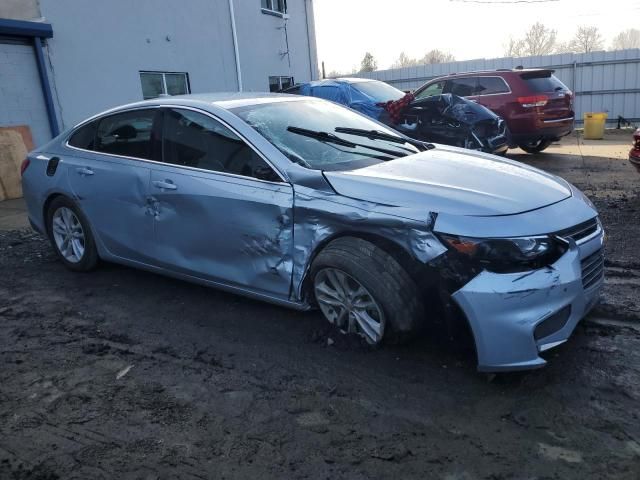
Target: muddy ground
{"x":125,"y":374}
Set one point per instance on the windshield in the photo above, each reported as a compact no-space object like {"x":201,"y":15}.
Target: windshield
{"x":379,"y":91}
{"x":293,"y":127}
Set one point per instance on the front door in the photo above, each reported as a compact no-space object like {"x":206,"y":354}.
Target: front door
{"x":221,"y":212}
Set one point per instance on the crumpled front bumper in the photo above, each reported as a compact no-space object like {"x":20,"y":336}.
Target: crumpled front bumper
{"x":503,"y":310}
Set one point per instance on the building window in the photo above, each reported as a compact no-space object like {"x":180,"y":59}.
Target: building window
{"x":155,"y":84}
{"x":277,"y":7}
{"x":280,"y":83}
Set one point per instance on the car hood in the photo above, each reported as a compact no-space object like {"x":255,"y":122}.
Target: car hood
{"x":453,"y":181}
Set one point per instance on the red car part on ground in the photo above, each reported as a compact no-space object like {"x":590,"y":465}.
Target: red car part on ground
{"x":634,"y":153}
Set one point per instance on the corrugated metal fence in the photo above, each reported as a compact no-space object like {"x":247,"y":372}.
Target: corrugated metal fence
{"x":602,"y":81}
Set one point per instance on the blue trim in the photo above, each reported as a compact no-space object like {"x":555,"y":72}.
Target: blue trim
{"x":46,"y":88}
{"x":21,"y":28}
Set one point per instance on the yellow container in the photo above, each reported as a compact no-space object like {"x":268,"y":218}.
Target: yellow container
{"x":594,"y":125}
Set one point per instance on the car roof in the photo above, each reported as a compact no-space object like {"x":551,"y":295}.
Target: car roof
{"x":206,"y":101}
{"x":497,"y":72}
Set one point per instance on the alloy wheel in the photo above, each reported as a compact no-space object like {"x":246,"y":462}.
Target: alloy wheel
{"x":348,"y":305}
{"x":68,"y":234}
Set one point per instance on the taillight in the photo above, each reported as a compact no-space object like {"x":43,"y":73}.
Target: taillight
{"x":533,"y":101}
{"x":24,"y":166}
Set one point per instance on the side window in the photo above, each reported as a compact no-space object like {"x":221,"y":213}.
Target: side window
{"x":463,"y":87}
{"x":127,"y":134}
{"x":85,"y":136}
{"x":431,"y":90}
{"x":491,"y":86}
{"x":192,"y":139}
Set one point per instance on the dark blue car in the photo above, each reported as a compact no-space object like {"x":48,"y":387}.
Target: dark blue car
{"x":447,"y":119}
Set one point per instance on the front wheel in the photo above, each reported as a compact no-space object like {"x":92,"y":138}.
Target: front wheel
{"x":71,"y":236}
{"x":361,"y":289}
{"x":536,"y":146}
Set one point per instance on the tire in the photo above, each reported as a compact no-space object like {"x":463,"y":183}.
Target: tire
{"x":387,"y":283}
{"x":535,"y":147}
{"x":61,"y":213}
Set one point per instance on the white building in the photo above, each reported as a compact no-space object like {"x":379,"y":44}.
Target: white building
{"x":63,"y":60}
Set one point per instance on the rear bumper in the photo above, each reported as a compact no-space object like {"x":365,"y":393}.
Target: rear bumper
{"x":504,"y":311}
{"x":542,"y":130}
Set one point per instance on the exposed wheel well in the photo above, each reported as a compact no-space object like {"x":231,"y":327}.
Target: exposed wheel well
{"x":424,"y":276}
{"x":441,"y":307}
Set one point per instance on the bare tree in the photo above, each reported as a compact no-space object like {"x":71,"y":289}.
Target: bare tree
{"x":627,"y":39}
{"x":404,"y":61}
{"x":437,"y":56}
{"x":586,"y":39}
{"x":514,"y":48}
{"x":540,"y":40}
{"x":368,"y":63}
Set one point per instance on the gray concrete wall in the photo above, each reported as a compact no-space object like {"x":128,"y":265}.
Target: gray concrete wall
{"x":19,"y":9}
{"x":99,"y":48}
{"x":263,"y":44}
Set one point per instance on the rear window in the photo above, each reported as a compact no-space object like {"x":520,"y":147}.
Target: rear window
{"x":379,"y":91}
{"x":543,"y":82}
{"x":85,"y":136}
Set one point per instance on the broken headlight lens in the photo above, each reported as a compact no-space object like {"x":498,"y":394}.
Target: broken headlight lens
{"x":508,"y":255}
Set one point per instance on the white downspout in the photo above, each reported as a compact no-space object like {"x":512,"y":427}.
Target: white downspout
{"x":235,"y":45}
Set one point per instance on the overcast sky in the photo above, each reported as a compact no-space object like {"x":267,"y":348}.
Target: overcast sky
{"x":346,"y":29}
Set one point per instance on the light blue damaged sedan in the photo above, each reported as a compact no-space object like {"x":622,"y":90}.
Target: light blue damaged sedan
{"x":304,"y":203}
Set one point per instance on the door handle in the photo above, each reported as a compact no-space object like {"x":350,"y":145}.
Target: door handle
{"x":84,"y":171}
{"x":166,"y":185}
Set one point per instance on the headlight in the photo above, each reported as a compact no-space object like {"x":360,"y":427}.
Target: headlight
{"x":507,"y":255}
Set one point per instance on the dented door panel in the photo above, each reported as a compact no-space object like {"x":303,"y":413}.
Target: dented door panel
{"x":223,"y":228}
{"x":113,"y":193}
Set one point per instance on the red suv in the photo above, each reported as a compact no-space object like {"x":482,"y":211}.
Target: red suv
{"x":537,"y":107}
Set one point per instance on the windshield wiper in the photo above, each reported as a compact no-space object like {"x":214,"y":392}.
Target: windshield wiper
{"x":322,"y":136}
{"x":377,"y":135}
{"x":332,"y":138}
{"x":371,"y":134}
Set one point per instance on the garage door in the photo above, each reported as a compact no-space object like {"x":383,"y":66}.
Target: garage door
{"x":21,"y":99}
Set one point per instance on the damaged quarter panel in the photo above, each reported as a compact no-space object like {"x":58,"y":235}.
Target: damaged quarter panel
{"x":322,"y":215}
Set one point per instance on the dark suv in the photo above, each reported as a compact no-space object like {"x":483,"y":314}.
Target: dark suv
{"x":537,"y":107}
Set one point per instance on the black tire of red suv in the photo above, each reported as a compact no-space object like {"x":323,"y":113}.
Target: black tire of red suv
{"x":535,"y":147}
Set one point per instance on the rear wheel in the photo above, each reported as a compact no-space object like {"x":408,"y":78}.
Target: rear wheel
{"x":71,"y":236}
{"x":361,"y":289}
{"x":535,"y":146}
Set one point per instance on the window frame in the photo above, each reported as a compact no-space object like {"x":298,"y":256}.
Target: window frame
{"x":158,"y":125}
{"x":164,"y":81}
{"x":274,"y":11}
{"x":280,"y":77}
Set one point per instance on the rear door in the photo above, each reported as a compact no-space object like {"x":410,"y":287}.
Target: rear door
{"x":462,"y":87}
{"x":109,"y":174}
{"x":494,"y":93}
{"x":222,"y":213}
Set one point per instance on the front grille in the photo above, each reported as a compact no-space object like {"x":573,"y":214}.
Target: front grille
{"x":592,"y":269}
{"x":580,"y":231}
